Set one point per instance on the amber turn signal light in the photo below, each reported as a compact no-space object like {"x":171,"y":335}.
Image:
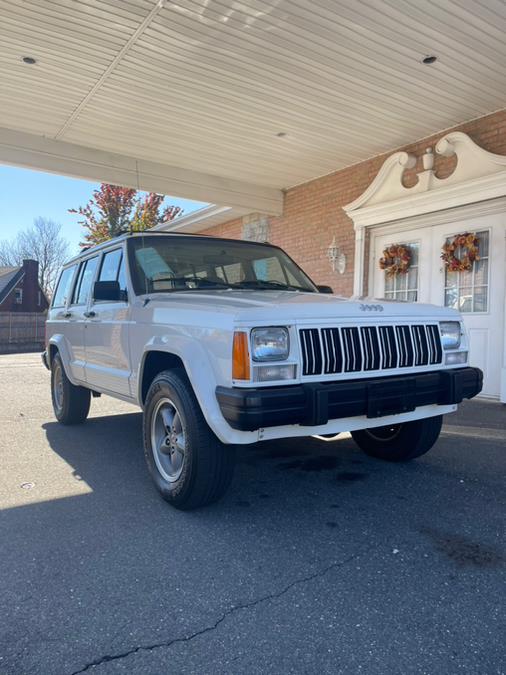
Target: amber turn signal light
{"x":240,"y":357}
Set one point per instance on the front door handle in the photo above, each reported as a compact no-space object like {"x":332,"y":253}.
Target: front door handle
{"x":67,"y":315}
{"x":90,"y":314}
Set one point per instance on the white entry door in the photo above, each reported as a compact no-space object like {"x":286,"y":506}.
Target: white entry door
{"x":479,"y":293}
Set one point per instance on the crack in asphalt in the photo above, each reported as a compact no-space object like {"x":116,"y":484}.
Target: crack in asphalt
{"x":236,"y":608}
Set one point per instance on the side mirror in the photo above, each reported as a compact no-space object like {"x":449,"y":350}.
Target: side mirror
{"x":324,"y":289}
{"x":107,"y":290}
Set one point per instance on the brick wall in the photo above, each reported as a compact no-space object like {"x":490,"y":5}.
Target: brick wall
{"x":30,"y":288}
{"x":313,"y":211}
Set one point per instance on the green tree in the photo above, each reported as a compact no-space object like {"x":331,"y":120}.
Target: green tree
{"x":113,"y":210}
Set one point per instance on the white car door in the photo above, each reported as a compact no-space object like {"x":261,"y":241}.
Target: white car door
{"x":107,"y":331}
{"x":59,"y":312}
{"x":76,"y":317}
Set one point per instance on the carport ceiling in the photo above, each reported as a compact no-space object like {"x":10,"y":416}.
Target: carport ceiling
{"x":270,"y":93}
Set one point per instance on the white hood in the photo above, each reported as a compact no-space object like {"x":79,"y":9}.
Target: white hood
{"x":292,"y":307}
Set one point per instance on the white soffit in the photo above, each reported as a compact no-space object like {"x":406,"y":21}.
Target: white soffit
{"x":202,"y":219}
{"x":207,"y":86}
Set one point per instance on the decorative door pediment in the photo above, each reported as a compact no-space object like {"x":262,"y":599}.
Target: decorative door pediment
{"x":479,"y":175}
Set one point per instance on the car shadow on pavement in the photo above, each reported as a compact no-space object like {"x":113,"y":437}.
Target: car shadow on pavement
{"x":332,"y":482}
{"x":106,"y":452}
{"x":316,"y":526}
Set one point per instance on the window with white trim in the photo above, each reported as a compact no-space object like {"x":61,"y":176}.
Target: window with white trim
{"x":18,"y":296}
{"x":468,"y":291}
{"x":64,"y":287}
{"x":404,"y":286}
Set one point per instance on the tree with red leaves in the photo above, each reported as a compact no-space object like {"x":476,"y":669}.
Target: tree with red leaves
{"x":113,"y":210}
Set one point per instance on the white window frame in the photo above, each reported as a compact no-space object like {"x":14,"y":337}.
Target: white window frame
{"x":446,"y":288}
{"x":396,"y":292}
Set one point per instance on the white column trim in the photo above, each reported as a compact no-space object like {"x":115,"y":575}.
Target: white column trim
{"x":359,"y":262}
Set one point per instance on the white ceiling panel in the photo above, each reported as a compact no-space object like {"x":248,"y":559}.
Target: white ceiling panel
{"x":206,"y":85}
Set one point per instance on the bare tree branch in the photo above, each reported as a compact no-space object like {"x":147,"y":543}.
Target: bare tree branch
{"x":9,"y":254}
{"x":42,"y":242}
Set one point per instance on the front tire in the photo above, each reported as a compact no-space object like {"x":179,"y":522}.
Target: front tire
{"x":71,"y":404}
{"x":189,"y":465}
{"x":399,"y":442}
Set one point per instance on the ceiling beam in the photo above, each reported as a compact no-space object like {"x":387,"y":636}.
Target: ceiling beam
{"x":30,"y":151}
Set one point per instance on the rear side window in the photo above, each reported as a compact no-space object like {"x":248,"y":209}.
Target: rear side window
{"x":63,"y":289}
{"x":83,"y":286}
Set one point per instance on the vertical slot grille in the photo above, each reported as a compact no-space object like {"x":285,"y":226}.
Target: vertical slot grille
{"x":311,"y":351}
{"x":406,"y":351}
{"x":332,"y":350}
{"x":352,"y":350}
{"x":371,"y":348}
{"x":368,"y":348}
{"x":388,"y":347}
{"x":421,"y":345}
{"x":435,"y":349}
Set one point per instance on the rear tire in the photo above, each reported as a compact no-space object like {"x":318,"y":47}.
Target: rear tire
{"x":71,"y":404}
{"x":399,"y":442}
{"x":189,"y":465}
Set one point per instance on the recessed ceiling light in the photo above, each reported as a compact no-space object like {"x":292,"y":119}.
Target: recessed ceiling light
{"x":29,"y":59}
{"x":429,"y":59}
{"x":281,"y":134}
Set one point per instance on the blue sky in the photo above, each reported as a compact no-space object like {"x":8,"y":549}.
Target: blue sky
{"x":25,"y":195}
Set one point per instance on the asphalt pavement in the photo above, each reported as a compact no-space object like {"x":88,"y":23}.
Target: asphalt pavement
{"x":319,"y":560}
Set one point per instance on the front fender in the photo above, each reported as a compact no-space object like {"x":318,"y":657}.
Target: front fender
{"x":203,"y":374}
{"x":58,"y":340}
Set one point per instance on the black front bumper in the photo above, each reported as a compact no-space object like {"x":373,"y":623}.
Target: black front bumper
{"x":314,"y":404}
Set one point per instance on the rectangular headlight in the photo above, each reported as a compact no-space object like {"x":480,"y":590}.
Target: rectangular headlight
{"x":270,"y":344}
{"x":450,"y":334}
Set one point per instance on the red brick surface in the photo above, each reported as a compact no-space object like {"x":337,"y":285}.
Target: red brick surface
{"x":30,"y":286}
{"x":313,"y":211}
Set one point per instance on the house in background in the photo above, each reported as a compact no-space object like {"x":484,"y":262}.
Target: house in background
{"x":20,"y":290}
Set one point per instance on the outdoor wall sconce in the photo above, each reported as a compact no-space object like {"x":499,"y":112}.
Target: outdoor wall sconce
{"x":336,"y":257}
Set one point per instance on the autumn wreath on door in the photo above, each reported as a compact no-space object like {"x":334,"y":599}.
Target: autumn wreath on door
{"x":459,"y":253}
{"x":395,"y":260}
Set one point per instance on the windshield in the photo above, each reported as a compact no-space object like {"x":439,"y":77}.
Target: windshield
{"x":163,"y":264}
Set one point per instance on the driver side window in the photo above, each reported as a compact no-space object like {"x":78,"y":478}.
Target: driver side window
{"x":113,"y":269}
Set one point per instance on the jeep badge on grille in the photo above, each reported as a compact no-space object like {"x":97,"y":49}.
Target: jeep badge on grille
{"x":370,"y":308}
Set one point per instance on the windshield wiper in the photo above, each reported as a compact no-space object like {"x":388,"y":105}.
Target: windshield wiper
{"x":199,"y":284}
{"x":274,"y":285}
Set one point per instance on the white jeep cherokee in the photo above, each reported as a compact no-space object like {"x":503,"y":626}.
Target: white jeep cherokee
{"x":225,"y":342}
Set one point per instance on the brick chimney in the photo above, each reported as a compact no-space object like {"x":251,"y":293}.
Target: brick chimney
{"x":30,"y":287}
{"x":31,"y":270}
